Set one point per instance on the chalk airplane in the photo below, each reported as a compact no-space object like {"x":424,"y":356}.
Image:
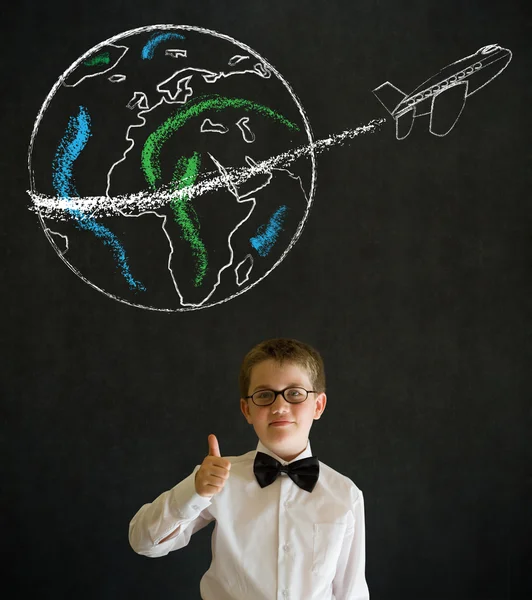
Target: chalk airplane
{"x":444,"y":95}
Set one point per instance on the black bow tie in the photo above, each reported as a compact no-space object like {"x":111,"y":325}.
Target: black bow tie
{"x":303,"y":472}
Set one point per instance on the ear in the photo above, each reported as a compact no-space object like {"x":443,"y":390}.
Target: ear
{"x":244,"y":407}
{"x":321,"y":401}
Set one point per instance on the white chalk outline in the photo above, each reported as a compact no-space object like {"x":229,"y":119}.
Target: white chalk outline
{"x":430,"y":89}
{"x":249,"y":259}
{"x":139,"y":100}
{"x":234,"y":60}
{"x":117,"y":78}
{"x":209,"y":126}
{"x":63,"y":236}
{"x":269,"y":69}
{"x":181,"y":82}
{"x":242,"y":124}
{"x":208,"y":77}
{"x":86,"y":55}
{"x":175,"y":53}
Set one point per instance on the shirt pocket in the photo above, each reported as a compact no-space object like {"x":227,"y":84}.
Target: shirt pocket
{"x":327,"y":545}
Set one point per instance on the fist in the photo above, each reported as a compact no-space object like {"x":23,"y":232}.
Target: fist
{"x":214,"y":471}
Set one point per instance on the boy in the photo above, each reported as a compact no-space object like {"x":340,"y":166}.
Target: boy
{"x":280,"y":533}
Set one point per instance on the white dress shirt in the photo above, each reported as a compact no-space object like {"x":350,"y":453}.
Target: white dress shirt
{"x":274,"y":543}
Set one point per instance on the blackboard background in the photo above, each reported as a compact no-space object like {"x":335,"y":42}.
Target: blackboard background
{"x":415,"y":266}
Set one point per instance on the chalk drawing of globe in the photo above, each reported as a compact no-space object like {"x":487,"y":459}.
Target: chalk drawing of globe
{"x":156,"y":167}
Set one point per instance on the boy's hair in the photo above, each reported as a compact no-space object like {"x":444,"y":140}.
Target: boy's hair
{"x":284,"y":350}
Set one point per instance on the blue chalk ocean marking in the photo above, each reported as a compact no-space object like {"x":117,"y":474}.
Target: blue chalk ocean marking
{"x":267,"y":235}
{"x":70,"y":147}
{"x":150,"y":46}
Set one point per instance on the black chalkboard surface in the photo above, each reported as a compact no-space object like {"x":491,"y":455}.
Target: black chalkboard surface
{"x":352,"y":174}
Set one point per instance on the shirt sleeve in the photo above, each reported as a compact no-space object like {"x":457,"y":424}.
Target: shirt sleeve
{"x":350,"y":580}
{"x":180,"y":511}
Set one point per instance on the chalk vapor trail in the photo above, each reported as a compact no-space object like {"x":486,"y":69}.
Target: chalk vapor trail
{"x":133,"y":204}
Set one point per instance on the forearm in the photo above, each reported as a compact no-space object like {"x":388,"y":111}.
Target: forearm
{"x":168,"y":522}
{"x":154,"y":523}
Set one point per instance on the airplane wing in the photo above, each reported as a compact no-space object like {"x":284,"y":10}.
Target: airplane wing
{"x":447,"y":106}
{"x":404,"y":124}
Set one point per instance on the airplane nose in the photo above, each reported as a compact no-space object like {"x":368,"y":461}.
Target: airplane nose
{"x":490,"y":48}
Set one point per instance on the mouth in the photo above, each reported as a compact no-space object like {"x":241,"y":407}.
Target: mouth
{"x":281,"y":423}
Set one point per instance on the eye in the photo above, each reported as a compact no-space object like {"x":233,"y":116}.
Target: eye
{"x":294,"y":392}
{"x":263,"y":394}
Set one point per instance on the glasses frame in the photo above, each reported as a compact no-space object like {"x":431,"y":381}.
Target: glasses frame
{"x":277,"y":392}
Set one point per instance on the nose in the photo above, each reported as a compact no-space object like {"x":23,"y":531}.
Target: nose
{"x":277,"y":405}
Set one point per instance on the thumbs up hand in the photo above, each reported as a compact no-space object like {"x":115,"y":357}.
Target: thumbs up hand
{"x":214,"y":471}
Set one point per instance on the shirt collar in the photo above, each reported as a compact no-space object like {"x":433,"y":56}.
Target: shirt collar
{"x":305,"y":454}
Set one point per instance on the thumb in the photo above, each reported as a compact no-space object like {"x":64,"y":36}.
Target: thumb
{"x":214,"y":448}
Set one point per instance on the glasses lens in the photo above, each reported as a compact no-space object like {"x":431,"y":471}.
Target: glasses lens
{"x":263,"y":397}
{"x":295,"y":394}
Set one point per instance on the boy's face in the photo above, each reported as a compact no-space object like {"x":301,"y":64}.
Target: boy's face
{"x":286,"y":441}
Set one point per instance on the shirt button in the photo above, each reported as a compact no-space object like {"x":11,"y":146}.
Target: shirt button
{"x":286,"y":547}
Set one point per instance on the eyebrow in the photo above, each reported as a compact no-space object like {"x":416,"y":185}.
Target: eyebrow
{"x":268,"y":387}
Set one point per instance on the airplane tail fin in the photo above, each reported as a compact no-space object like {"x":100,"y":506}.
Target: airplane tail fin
{"x":389,"y":96}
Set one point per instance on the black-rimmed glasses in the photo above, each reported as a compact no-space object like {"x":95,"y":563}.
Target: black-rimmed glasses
{"x":294,"y":395}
